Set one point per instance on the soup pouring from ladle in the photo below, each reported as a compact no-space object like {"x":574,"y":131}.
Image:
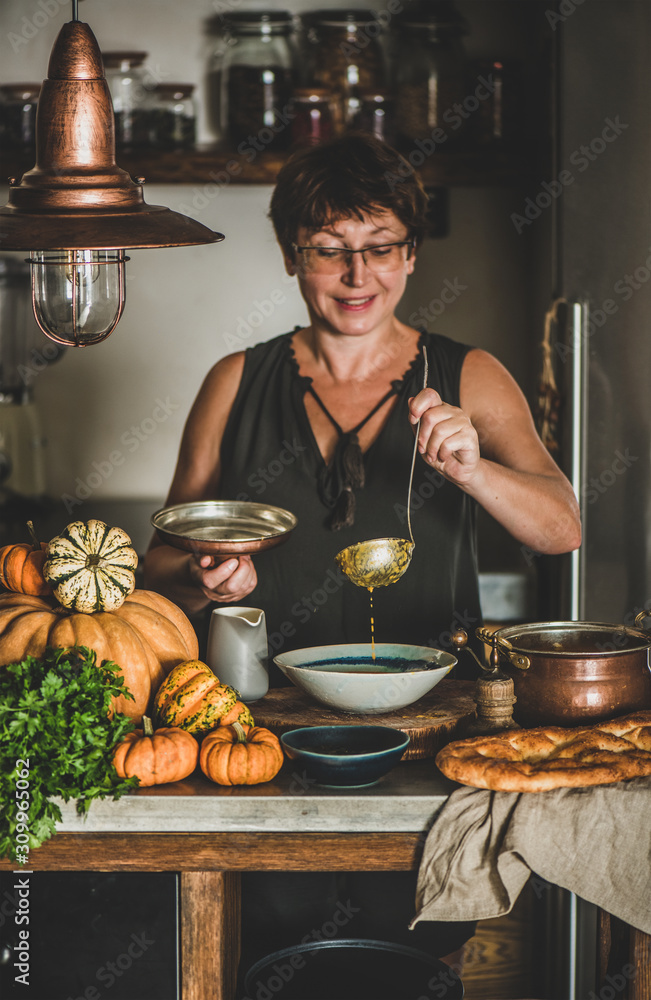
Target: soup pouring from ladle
{"x":378,"y":562}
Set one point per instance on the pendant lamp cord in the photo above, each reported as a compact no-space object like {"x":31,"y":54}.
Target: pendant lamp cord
{"x":75,"y":12}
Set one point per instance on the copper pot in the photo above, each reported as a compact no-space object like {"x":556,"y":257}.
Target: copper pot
{"x":573,"y":673}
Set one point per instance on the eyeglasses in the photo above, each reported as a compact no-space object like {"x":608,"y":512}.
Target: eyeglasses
{"x":331,"y":260}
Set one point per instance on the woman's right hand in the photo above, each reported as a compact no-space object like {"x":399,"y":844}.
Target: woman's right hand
{"x":227,"y":581}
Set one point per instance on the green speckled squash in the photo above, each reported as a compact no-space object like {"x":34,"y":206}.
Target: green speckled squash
{"x":192,"y":698}
{"x":91,"y":567}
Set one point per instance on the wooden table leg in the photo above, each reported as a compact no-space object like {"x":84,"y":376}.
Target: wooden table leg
{"x":640,"y":957}
{"x":604,"y":944}
{"x":210,"y":934}
{"x":623,"y":959}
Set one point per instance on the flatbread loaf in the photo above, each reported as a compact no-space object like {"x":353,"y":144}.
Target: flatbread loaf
{"x":536,"y":760}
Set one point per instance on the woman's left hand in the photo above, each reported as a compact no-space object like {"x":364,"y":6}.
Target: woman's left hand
{"x":447,"y":439}
{"x":225,"y":580}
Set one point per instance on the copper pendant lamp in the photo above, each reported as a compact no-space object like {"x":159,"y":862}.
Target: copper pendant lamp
{"x":76,"y":211}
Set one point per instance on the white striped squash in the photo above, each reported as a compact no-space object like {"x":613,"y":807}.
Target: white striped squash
{"x":91,"y":567}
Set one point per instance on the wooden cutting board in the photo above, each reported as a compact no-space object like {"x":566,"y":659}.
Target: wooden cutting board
{"x":431,"y":723}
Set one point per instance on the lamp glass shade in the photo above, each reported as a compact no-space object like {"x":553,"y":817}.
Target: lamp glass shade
{"x":78,"y":295}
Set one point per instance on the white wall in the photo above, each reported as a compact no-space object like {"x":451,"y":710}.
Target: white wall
{"x":186,"y":308}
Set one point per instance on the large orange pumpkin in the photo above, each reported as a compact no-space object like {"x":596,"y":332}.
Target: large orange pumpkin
{"x":146,"y":636}
{"x":239,"y":755}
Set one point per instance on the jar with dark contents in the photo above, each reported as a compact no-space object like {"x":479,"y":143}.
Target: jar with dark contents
{"x":258,"y":78}
{"x":345,"y":55}
{"x":173,"y":117}
{"x":431,"y":70}
{"x":131,"y":97}
{"x":18,"y":103}
{"x":377,"y":115}
{"x":312,"y":120}
{"x":496,"y":88}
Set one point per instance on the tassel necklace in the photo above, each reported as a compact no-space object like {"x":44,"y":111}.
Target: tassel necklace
{"x":345,"y":473}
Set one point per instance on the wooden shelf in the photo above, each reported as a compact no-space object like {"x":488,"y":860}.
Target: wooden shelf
{"x":216,"y":165}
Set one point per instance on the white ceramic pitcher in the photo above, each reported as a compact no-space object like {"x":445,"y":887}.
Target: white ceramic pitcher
{"x":237,"y":650}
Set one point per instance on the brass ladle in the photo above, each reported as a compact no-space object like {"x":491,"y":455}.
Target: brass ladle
{"x":378,"y":562}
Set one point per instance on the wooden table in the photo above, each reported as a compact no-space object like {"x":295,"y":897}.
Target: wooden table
{"x":209,"y":834}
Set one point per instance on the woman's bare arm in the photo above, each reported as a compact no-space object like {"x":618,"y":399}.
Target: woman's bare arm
{"x":490,"y":449}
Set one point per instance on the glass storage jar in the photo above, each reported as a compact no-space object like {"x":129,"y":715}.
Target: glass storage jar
{"x":377,"y":115}
{"x":312,"y":120}
{"x":345,"y":55}
{"x":173,"y":119}
{"x":258,"y":78}
{"x":216,"y":46}
{"x":498,"y":87}
{"x":18,"y":103}
{"x":430,"y":69}
{"x":131,"y":97}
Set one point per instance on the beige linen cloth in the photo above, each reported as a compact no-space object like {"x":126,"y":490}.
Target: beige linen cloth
{"x":483,"y":846}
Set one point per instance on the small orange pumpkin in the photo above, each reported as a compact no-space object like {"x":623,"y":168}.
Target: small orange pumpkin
{"x":21,"y":566}
{"x":156,"y":757}
{"x":235,"y":755}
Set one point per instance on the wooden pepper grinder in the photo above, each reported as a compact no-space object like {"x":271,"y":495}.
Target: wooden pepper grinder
{"x":494,"y":699}
{"x":494,"y":694}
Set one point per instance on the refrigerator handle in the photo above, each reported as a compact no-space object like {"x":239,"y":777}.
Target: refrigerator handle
{"x":565,"y":353}
{"x":575,"y":354}
{"x":577,"y":383}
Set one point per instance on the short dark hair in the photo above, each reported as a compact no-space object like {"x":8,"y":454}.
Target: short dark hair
{"x":354,"y":174}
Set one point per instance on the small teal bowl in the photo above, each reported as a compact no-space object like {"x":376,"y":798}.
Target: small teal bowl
{"x":345,"y":756}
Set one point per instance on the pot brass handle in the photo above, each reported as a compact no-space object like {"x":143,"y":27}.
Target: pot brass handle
{"x":504,"y":647}
{"x":640,"y":618}
{"x":460,"y":638}
{"x":459,"y":641}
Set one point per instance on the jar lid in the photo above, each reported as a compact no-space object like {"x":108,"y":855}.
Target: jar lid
{"x":312,"y":93}
{"x":441,"y":14}
{"x":113,"y":60}
{"x":262,"y":21}
{"x":175,"y":90}
{"x":340,"y":18}
{"x":377,"y":96}
{"x":21,"y":91}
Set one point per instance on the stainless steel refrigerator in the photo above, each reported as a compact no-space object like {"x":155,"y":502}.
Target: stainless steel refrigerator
{"x":593,"y":252}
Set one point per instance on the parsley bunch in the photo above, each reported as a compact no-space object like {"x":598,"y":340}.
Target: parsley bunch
{"x":56,"y":735}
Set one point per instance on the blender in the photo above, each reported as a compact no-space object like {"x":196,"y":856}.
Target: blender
{"x":24,"y":353}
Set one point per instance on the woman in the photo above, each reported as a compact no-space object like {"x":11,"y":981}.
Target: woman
{"x":321,"y":421}
{"x":280,"y":423}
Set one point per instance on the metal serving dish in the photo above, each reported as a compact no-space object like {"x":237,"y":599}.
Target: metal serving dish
{"x":223,"y":527}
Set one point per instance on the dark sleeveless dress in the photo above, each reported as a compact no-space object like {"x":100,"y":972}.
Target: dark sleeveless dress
{"x":269,"y":455}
